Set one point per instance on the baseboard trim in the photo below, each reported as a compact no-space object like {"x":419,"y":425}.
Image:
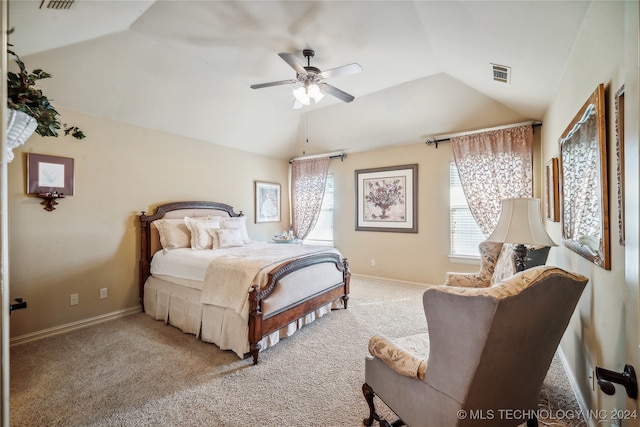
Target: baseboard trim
{"x":394,"y":281}
{"x":33,"y":336}
{"x":576,"y":390}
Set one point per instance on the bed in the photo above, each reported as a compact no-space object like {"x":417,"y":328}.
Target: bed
{"x":211,"y":280}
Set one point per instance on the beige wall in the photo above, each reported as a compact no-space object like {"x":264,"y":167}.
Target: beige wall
{"x":91,"y":240}
{"x":596,"y":333}
{"x":416,"y":257}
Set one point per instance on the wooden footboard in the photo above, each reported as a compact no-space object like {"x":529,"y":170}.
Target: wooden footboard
{"x":262,"y":324}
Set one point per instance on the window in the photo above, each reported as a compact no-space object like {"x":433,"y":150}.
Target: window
{"x":322,"y":233}
{"x":465,"y":232}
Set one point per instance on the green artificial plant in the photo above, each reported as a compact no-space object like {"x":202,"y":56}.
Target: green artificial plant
{"x":24,"y":95}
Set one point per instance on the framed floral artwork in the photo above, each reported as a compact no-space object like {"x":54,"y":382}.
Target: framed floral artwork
{"x":267,"y":202}
{"x":387,"y":199}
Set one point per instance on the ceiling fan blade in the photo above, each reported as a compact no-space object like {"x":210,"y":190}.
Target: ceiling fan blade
{"x":293,"y":62}
{"x":278,"y":83}
{"x":345,"y":70}
{"x":334,"y":91}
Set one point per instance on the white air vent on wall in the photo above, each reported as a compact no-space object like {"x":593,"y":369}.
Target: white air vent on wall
{"x":501,"y":73}
{"x":57,"y":4}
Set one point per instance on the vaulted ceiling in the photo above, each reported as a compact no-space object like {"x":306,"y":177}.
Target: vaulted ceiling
{"x":185,"y":67}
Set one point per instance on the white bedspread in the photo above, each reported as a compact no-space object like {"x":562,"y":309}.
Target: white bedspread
{"x":183,"y":263}
{"x":231,"y":275}
{"x":228,"y":274}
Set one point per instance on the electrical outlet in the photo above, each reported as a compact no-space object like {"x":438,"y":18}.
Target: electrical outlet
{"x":103,"y":293}
{"x":373,"y":262}
{"x":73,"y":299}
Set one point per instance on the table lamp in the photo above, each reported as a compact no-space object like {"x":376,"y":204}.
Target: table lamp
{"x":520,"y":223}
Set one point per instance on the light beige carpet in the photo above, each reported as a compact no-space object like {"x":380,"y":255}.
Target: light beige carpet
{"x":136,"y":371}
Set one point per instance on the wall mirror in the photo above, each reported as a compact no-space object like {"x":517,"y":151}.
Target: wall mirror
{"x":583,"y":177}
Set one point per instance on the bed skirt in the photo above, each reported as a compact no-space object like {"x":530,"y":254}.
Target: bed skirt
{"x":180,"y":307}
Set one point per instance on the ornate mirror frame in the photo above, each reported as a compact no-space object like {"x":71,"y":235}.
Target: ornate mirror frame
{"x":583,"y":177}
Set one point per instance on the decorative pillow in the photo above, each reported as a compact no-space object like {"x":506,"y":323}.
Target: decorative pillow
{"x":227,"y":237}
{"x":238,"y":223}
{"x":200,"y":236}
{"x":173,"y":233}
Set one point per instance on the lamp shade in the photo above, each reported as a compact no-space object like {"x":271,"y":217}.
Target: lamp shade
{"x":521,"y":223}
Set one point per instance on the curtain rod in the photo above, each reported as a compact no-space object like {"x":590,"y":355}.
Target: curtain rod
{"x":446,"y":138}
{"x":340,"y":155}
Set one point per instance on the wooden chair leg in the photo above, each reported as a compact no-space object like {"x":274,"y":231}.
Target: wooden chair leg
{"x":368,"y":396}
{"x":532,"y":422}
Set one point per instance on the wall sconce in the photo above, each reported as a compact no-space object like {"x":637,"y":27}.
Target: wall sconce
{"x":49,"y":200}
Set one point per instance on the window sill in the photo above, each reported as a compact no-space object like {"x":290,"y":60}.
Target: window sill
{"x":464,"y":259}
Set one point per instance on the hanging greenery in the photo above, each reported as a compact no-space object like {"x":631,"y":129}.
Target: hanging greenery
{"x":24,"y":95}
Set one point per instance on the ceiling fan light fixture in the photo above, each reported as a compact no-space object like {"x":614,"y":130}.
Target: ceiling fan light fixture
{"x":309,"y":80}
{"x":314,"y":92}
{"x":301,"y":95}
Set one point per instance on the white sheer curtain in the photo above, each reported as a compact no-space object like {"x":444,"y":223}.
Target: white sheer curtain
{"x":308,"y":180}
{"x":494,"y":165}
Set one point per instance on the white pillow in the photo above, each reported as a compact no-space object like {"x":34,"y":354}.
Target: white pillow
{"x":227,"y":237}
{"x":200,"y":236}
{"x":173,"y":233}
{"x":237,"y":223}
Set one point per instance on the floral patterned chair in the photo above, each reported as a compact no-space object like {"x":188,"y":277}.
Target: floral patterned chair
{"x":484,"y":359}
{"x":496,"y":263}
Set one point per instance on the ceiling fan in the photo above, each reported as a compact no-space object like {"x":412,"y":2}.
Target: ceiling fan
{"x":309,"y":80}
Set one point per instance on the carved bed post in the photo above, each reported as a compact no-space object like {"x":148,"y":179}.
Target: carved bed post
{"x":346,"y":277}
{"x":255,"y":322}
{"x":143,"y":265}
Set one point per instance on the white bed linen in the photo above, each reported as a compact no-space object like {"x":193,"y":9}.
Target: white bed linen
{"x":231,"y":275}
{"x":227,"y":274}
{"x":181,"y":308}
{"x":174,"y":294}
{"x":183,"y":263}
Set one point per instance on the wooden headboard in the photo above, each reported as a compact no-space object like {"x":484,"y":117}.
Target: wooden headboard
{"x":150,"y":238}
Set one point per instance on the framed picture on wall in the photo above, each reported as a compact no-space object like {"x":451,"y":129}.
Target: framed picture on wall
{"x":387,"y":199}
{"x":49,"y":174}
{"x":619,"y":104}
{"x":553,"y":190}
{"x":267,"y":201}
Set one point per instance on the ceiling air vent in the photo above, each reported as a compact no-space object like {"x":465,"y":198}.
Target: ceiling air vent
{"x":501,"y":73}
{"x":57,"y":4}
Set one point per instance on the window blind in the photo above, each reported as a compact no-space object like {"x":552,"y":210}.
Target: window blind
{"x":465,"y":234}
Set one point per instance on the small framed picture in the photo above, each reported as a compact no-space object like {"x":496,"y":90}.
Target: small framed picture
{"x":267,"y":201}
{"x":49,"y":174}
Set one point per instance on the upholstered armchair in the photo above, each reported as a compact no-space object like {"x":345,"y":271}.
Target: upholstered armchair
{"x":490,"y":253}
{"x":484,"y":359}
{"x":496,"y":263}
